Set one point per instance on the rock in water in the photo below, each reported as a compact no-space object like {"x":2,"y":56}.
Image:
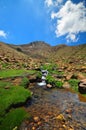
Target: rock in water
{"x":82,"y":86}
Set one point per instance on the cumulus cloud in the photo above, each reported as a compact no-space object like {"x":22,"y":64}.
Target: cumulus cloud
{"x":3,"y":34}
{"x":71,"y":20}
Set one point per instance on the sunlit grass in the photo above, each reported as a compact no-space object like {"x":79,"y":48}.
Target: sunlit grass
{"x":13,"y":73}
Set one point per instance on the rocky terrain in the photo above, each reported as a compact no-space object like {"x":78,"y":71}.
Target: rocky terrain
{"x":49,"y":107}
{"x":10,"y":58}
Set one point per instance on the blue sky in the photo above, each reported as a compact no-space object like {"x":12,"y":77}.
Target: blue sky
{"x":52,"y":21}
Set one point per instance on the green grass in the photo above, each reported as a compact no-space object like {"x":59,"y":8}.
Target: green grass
{"x":13,"y":119}
{"x":74,"y":84}
{"x":13,"y":73}
{"x":13,"y":95}
{"x":50,"y":67}
{"x":25,"y":82}
{"x":54,"y":82}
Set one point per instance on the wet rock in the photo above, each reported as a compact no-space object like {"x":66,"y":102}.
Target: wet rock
{"x":66,"y":85}
{"x":39,"y":123}
{"x":36,"y":119}
{"x":65,"y":127}
{"x":82,"y":86}
{"x":33,"y":128}
{"x":68,"y":111}
{"x":61,"y":117}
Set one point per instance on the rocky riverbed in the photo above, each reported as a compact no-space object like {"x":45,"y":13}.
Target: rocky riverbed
{"x":55,"y":109}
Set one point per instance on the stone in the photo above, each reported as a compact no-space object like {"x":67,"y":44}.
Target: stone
{"x":39,"y":123}
{"x":66,"y":85}
{"x":33,"y":128}
{"x":49,"y":86}
{"x":82,"y":86}
{"x":80,"y":76}
{"x":60,"y":117}
{"x":68,"y":77}
{"x":36,"y":119}
{"x":68,"y":111}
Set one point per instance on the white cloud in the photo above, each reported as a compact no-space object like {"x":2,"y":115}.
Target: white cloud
{"x":53,"y":2}
{"x":48,"y":2}
{"x":3,"y":34}
{"x":71,"y":19}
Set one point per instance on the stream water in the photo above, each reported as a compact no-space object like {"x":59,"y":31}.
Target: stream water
{"x":47,"y":104}
{"x":54,"y":109}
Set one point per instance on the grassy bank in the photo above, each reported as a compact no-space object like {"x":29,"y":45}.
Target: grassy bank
{"x":13,"y":96}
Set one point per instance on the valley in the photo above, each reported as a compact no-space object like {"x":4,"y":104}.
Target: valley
{"x":57,"y":106}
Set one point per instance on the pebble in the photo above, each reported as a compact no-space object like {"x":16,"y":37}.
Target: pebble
{"x":36,"y":118}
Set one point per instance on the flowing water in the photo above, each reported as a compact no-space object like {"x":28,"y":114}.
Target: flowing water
{"x":47,"y":104}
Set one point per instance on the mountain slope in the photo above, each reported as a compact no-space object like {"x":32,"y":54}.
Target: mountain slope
{"x":36,"y":49}
{"x":11,"y":58}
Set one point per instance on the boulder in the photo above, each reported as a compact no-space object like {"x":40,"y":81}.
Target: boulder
{"x":82,"y":86}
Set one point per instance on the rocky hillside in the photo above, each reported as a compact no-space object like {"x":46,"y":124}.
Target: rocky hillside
{"x":11,"y":58}
{"x":33,"y":54}
{"x":38,"y":49}
{"x":66,"y":54}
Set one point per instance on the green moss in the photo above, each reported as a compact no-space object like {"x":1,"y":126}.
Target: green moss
{"x":13,"y":119}
{"x":13,"y":95}
{"x":24,"y":82}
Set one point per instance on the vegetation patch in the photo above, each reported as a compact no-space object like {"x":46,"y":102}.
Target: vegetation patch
{"x":74,"y":84}
{"x":13,"y":119}
{"x":54,"y":82}
{"x":25,"y":82}
{"x":13,"y":73}
{"x":49,"y":67}
{"x":11,"y":96}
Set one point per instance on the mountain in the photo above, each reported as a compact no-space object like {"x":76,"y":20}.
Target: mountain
{"x":33,"y":54}
{"x":37,"y":49}
{"x":43,"y":51}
